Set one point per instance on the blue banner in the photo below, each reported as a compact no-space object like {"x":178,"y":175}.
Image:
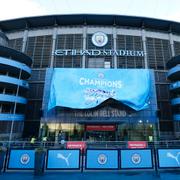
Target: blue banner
{"x":102,"y":159}
{"x":21,"y":159}
{"x":87,"y":88}
{"x":136,"y":159}
{"x":63,"y":159}
{"x":169,"y":158}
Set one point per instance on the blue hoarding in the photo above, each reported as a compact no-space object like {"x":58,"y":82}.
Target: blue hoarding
{"x":101,"y":159}
{"x":169,"y":158}
{"x":21,"y":159}
{"x":87,"y":88}
{"x":63,"y":159}
{"x":136,"y":159}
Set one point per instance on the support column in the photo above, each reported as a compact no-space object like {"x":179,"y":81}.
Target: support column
{"x":14,"y":110}
{"x":25,"y":36}
{"x":143,"y":33}
{"x":115,"y":46}
{"x":1,"y":106}
{"x":53,"y":47}
{"x":171,"y":44}
{"x":84,"y":46}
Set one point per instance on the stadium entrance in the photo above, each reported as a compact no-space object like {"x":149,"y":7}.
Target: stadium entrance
{"x":93,"y":105}
{"x":141,"y":131}
{"x":101,"y":133}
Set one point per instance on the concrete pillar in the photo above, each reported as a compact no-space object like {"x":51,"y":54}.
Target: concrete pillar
{"x":171,"y":44}
{"x":53,"y":47}
{"x":115,"y":46}
{"x":25,"y":36}
{"x":84,"y":46}
{"x":143,"y":34}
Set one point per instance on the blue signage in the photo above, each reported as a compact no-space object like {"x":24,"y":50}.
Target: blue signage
{"x":136,"y":159}
{"x":169,"y":158}
{"x":87,"y":88}
{"x":102,"y":159}
{"x":21,"y":159}
{"x":63,"y":159}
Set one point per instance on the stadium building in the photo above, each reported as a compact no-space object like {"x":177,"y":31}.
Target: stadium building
{"x":14,"y":72}
{"x":95,"y":77}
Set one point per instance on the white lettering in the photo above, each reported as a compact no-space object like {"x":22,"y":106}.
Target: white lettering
{"x":59,"y":52}
{"x":139,"y":53}
{"x":95,"y":52}
{"x":94,"y":82}
{"x":81,"y":81}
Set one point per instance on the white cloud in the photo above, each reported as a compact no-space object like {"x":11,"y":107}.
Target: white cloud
{"x":163,"y":9}
{"x":10,"y":9}
{"x":174,"y":16}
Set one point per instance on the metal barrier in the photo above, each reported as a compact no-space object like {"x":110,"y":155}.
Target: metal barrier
{"x":158,"y":150}
{"x":89,"y":144}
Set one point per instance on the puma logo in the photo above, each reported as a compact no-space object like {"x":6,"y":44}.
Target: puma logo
{"x":61,"y":156}
{"x":170,"y":155}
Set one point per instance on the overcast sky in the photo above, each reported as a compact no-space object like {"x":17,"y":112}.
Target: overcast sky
{"x":161,"y":9}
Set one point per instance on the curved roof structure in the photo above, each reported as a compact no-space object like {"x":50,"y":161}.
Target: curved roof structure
{"x":15,"y":55}
{"x":3,"y":36}
{"x":89,"y":19}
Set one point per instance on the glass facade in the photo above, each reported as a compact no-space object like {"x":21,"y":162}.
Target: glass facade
{"x":69,"y":41}
{"x":158,"y":52}
{"x":16,"y":44}
{"x":39,"y":49}
{"x":163,"y":98}
{"x":130,"y":43}
{"x":78,"y":132}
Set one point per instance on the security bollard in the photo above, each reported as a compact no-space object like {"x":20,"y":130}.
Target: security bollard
{"x":2,"y":157}
{"x":40,"y":154}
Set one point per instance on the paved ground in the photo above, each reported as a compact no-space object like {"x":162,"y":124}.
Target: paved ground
{"x":90,"y":176}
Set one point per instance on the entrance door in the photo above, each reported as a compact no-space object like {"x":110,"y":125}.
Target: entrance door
{"x":100,"y":132}
{"x":100,"y":136}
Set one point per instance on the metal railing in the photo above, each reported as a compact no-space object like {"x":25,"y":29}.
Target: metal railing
{"x":89,"y":144}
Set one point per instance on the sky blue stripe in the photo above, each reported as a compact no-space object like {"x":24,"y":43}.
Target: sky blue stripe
{"x":176,"y":117}
{"x":175,"y":101}
{"x":16,"y":64}
{"x":11,"y":117}
{"x":175,"y":85}
{"x":12,"y":80}
{"x":11,"y":98}
{"x":174,"y":70}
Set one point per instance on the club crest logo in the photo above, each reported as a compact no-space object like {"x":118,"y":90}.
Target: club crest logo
{"x":25,"y":159}
{"x":101,"y":75}
{"x":99,"y":39}
{"x":136,"y":158}
{"x":102,"y":159}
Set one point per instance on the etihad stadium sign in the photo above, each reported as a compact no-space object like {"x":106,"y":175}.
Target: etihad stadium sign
{"x":99,"y":39}
{"x":96,"y":52}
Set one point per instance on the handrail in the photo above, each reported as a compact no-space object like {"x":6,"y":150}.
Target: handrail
{"x":89,"y":144}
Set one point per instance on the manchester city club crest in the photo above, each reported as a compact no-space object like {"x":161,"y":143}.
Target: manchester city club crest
{"x":99,"y":39}
{"x":101,"y":75}
{"x":102,"y":159}
{"x":25,"y":159}
{"x":136,"y":158}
